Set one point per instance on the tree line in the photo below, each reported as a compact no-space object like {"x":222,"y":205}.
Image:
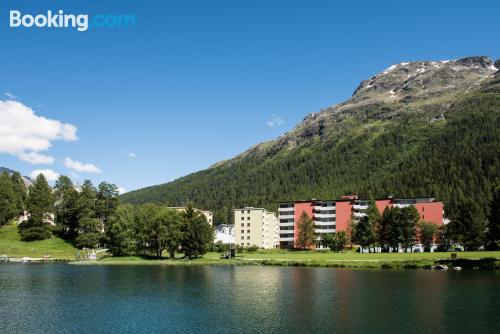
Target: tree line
{"x":92,"y":217}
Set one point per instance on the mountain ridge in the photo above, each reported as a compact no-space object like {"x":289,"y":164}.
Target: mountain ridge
{"x":356,"y":146}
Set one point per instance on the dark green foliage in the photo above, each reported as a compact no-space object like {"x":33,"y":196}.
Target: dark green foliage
{"x":335,"y":241}
{"x":66,"y":210}
{"x":468,"y":225}
{"x":363,"y":233}
{"x":8,"y":200}
{"x":89,"y":230}
{"x":307,"y":236}
{"x":40,"y":205}
{"x":493,"y":235}
{"x":197,"y":234}
{"x":427,"y":233}
{"x":408,"y":218}
{"x":409,"y":154}
{"x":106,"y":201}
{"x":120,"y":232}
{"x":40,"y":200}
{"x":20,"y":191}
{"x":397,"y":228}
{"x":31,"y":232}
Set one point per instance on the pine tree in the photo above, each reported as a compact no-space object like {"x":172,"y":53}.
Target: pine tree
{"x":20,"y":191}
{"x":66,"y":210}
{"x":493,"y":235}
{"x":427,"y":233}
{"x":468,"y":226}
{"x":40,"y":206}
{"x":197,"y":234}
{"x":306,"y":236}
{"x":89,"y":227}
{"x":8,"y":200}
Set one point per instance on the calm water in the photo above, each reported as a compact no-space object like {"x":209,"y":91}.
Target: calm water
{"x":58,"y":298}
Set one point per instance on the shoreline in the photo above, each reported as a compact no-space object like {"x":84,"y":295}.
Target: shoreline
{"x":467,"y":264}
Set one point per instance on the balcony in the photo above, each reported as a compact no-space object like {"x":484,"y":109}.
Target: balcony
{"x":320,"y":223}
{"x":285,"y":209}
{"x":398,"y":205}
{"x":320,"y":231}
{"x":287,"y":224}
{"x":286,"y":216}
{"x":359,"y":214}
{"x":286,"y":239}
{"x":359,"y":207}
{"x":324,"y":215}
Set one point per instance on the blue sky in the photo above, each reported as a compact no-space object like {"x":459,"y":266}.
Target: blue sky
{"x":195,"y":82}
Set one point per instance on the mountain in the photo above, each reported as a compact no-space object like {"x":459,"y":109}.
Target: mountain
{"x":424,"y":128}
{"x":26,"y":180}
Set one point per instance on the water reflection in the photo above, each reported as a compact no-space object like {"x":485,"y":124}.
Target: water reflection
{"x":63,"y":298}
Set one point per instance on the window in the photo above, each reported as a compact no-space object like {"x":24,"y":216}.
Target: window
{"x":248,"y":224}
{"x":242,"y":231}
{"x":248,"y":211}
{"x":242,"y":238}
{"x":248,"y":244}
{"x":242,"y":211}
{"x":243,"y":244}
{"x":242,"y":224}
{"x":248,"y":231}
{"x":248,"y":237}
{"x":248,"y":218}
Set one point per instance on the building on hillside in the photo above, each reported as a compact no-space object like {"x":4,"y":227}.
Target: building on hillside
{"x":335,"y":215}
{"x":48,"y":219}
{"x":224,"y":233}
{"x":208,"y":214}
{"x":256,"y":227}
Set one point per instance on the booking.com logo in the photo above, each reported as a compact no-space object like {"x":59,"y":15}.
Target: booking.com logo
{"x":80,"y":22}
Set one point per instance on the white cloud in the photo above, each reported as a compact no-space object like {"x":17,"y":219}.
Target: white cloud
{"x":49,"y":174}
{"x":36,"y":158}
{"x":25,"y":135}
{"x":275,"y":121}
{"x":121,"y":190}
{"x":132,"y":155}
{"x":80,"y":166}
{"x":10,"y":95}
{"x":75,"y":175}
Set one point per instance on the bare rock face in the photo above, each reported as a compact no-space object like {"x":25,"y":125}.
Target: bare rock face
{"x":425,"y":87}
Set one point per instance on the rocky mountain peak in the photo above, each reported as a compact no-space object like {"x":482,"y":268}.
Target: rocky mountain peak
{"x":423,"y":79}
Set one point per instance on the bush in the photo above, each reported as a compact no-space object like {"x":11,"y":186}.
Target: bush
{"x":89,"y":240}
{"x":35,"y":233}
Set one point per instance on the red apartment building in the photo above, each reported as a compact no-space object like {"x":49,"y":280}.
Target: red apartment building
{"x":334,"y":215}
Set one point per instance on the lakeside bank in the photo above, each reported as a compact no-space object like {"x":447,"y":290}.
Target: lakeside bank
{"x":465,"y":260}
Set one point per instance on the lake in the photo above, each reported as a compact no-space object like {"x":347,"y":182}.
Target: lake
{"x":61,"y":298}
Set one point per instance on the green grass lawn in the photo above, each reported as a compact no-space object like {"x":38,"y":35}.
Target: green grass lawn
{"x":286,"y":255}
{"x":309,"y":258}
{"x":12,"y":246}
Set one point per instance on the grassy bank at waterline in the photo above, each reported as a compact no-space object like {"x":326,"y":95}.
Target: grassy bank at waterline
{"x":12,"y":246}
{"x":481,"y":260}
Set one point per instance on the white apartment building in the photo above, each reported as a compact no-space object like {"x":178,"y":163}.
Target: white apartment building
{"x":208,"y":214}
{"x":256,"y":227}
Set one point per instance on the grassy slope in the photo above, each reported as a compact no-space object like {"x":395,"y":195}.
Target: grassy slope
{"x":12,"y":246}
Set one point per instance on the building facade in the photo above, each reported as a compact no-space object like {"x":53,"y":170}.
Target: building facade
{"x":335,"y":215}
{"x":208,"y":214}
{"x":256,"y":227}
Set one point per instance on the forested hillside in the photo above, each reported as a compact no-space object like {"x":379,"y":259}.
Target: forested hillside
{"x":416,"y":129}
